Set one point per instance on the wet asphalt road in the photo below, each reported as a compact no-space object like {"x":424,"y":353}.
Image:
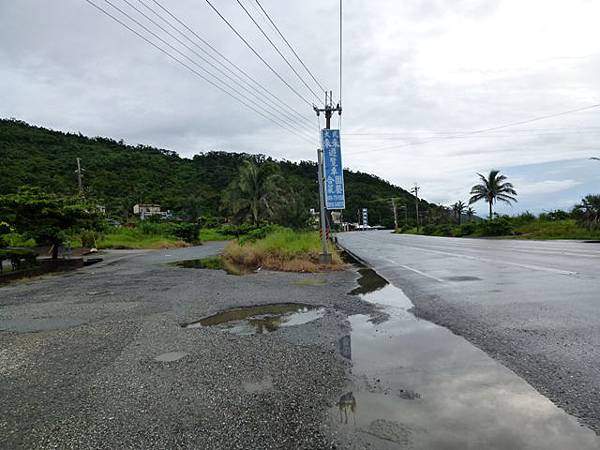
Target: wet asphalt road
{"x":534,"y":306}
{"x":98,"y":359}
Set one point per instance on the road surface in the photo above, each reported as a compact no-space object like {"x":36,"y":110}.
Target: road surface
{"x":534,"y":306}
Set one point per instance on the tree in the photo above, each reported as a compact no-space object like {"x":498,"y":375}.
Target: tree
{"x":493,"y":188}
{"x":459,"y":209}
{"x":253,"y":195}
{"x":47,"y":218}
{"x":470,"y":213}
{"x":588,"y":212}
{"x":4,"y":230}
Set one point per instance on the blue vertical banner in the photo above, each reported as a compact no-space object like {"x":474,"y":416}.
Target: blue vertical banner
{"x":333,"y":172}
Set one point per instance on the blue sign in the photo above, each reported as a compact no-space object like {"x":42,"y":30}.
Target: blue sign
{"x":332,"y":170}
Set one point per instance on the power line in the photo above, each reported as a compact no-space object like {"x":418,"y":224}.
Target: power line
{"x":253,"y":102}
{"x":483,"y":130}
{"x":277,"y":49}
{"x":221,"y":55}
{"x":257,"y":54}
{"x":254,"y":92}
{"x":191,"y":69}
{"x":290,"y":46}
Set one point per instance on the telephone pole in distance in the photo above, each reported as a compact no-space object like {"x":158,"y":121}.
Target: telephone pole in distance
{"x":415,"y":191}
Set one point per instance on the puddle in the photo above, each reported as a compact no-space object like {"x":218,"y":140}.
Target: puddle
{"x":369,"y":281}
{"x":417,"y":385}
{"x":261,"y":319}
{"x":213,"y":263}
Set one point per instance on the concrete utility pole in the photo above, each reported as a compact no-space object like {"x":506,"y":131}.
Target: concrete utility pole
{"x":395,"y":214}
{"x":325,"y":257}
{"x":415,"y":191}
{"x":79,"y":177}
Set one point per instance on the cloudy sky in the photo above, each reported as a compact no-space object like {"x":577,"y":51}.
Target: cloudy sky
{"x":420,"y":76}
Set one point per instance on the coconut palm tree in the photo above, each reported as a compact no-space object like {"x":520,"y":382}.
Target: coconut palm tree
{"x":493,"y":188}
{"x":255,"y":192}
{"x":459,"y":209}
{"x":470,"y":213}
{"x":588,"y":212}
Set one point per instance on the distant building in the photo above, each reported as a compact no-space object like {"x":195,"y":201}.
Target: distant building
{"x":145,"y":210}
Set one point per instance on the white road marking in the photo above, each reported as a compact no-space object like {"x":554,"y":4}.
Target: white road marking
{"x":495,"y":261}
{"x":412,"y":269}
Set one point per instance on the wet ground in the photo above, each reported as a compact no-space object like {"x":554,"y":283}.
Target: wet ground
{"x":136,"y":353}
{"x":533,"y":306}
{"x":415,"y":385}
{"x":261,"y":319}
{"x":98,"y":358}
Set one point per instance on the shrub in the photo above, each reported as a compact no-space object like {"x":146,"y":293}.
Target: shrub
{"x":443,"y":230}
{"x":466,"y":229}
{"x":89,"y":238}
{"x":188,"y":232}
{"x":429,"y":229}
{"x":500,"y":226}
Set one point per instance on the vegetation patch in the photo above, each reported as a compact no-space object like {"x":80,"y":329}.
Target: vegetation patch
{"x":284,"y":250}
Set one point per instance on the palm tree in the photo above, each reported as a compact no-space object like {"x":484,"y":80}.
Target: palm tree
{"x":588,"y":211}
{"x":459,"y":209}
{"x":492,"y":189}
{"x":255,"y":192}
{"x":470,"y":213}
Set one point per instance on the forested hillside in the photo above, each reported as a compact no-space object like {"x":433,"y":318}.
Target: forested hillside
{"x":118,"y":175}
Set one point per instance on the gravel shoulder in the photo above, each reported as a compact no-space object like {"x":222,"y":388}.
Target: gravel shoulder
{"x":78,"y":353}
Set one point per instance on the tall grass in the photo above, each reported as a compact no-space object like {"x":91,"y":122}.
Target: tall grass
{"x":144,"y":236}
{"x":283,"y":249}
{"x":556,"y":229}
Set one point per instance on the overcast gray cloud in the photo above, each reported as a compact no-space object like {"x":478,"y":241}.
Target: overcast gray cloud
{"x":413,"y":70}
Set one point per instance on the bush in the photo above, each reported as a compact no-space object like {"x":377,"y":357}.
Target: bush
{"x":443,"y":230}
{"x":429,"y":229}
{"x":188,"y":232}
{"x":500,"y":226}
{"x":89,"y":238}
{"x":466,"y":229}
{"x":555,"y":215}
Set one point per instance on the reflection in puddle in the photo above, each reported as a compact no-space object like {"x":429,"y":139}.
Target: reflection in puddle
{"x":261,"y":319}
{"x":369,"y":281}
{"x":213,"y":263}
{"x":416,"y":385}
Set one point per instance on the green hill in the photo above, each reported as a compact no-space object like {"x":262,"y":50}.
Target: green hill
{"x":118,"y":175}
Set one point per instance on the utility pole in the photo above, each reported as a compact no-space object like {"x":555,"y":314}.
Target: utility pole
{"x":395,"y":214}
{"x":415,"y":191}
{"x":79,"y":177}
{"x":325,"y":257}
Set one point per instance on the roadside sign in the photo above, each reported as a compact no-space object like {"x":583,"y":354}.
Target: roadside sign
{"x":365,"y":217}
{"x":332,"y":170}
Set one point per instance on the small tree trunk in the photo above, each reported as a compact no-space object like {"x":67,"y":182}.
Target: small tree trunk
{"x":55,"y":251}
{"x":491,"y":212}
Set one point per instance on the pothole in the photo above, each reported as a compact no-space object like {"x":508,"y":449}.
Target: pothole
{"x":213,"y":263}
{"x":261,"y":319}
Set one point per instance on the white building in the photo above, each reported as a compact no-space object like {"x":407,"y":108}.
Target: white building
{"x":145,"y":210}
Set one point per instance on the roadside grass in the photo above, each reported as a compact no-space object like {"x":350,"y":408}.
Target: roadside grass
{"x":284,"y":250}
{"x":134,"y":239}
{"x":558,"y":229}
{"x":213,"y":234}
{"x":510,"y":228}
